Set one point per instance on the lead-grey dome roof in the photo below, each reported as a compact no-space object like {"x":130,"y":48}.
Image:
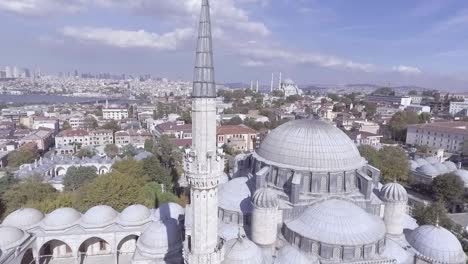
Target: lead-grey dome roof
{"x":428,"y":169}
{"x":393,"y":192}
{"x":242,"y":251}
{"x":61,"y":218}
{"x":450,"y":165}
{"x":24,"y":218}
{"x":338,"y":222}
{"x":290,"y":255}
{"x":312,"y":145}
{"x":265,"y":198}
{"x":134,"y":215}
{"x":463,"y":175}
{"x":235,"y":195}
{"x":98,"y":216}
{"x":437,"y":243}
{"x":10,"y":236}
{"x":160,"y":237}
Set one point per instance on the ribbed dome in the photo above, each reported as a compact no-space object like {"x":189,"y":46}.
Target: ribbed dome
{"x":242,"y":251}
{"x":9,"y":236}
{"x":24,"y":218}
{"x":61,"y":218}
{"x":312,"y":145}
{"x":450,"y":165}
{"x":235,"y":195}
{"x":338,"y":222}
{"x":393,"y":192}
{"x":265,"y":198}
{"x":98,"y":216}
{"x":160,"y":238}
{"x":441,"y":168}
{"x":421,"y":162}
{"x":437,"y":243}
{"x":432,"y":160}
{"x":290,"y":255}
{"x":428,"y":169}
{"x":134,"y":214}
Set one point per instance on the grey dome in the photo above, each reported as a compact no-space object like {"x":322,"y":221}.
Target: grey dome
{"x":24,"y":218}
{"x":463,"y":175}
{"x":160,"y":238}
{"x":290,"y":255}
{"x":10,"y":236}
{"x":421,"y":162}
{"x":99,"y":216}
{"x":134,"y":214}
{"x":242,"y":251}
{"x":441,"y":168}
{"x":169,"y":210}
{"x":61,"y":218}
{"x":450,"y":166}
{"x":393,"y":192}
{"x":432,"y":160}
{"x":437,"y":243}
{"x":235,"y":195}
{"x":265,"y":198}
{"x":428,"y":169}
{"x":338,"y":222}
{"x":312,"y":145}
{"x":414,"y":165}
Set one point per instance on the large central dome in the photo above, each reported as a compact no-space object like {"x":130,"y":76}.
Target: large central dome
{"x":312,"y":145}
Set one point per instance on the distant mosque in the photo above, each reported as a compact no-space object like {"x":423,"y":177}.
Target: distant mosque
{"x":305,"y":196}
{"x":287,"y":86}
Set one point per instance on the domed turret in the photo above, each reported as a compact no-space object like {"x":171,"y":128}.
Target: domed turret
{"x":436,"y":244}
{"x":242,"y":251}
{"x":264,"y":216}
{"x":395,"y":198}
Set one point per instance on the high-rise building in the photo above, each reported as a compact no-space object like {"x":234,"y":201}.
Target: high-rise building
{"x":15,"y":72}
{"x":205,"y":164}
{"x":8,"y":72}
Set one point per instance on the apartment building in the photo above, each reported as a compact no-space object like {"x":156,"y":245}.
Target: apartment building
{"x":450,"y":136}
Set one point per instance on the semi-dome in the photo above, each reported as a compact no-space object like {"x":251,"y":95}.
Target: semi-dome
{"x":265,"y":198}
{"x":437,"y":244}
{"x":393,"y":192}
{"x":312,"y":145}
{"x":134,"y":214}
{"x":24,"y":218}
{"x":290,"y":255}
{"x":441,"y":168}
{"x":235,"y":196}
{"x":98,"y":216}
{"x":242,"y":251}
{"x":414,"y":165}
{"x":169,"y":210}
{"x":428,"y":169}
{"x":432,"y":160}
{"x":338,"y":222}
{"x":61,"y":218}
{"x":160,"y":238}
{"x":450,"y":165}
{"x":10,"y":236}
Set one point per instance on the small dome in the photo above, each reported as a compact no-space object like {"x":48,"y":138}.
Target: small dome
{"x":450,"y":166}
{"x":10,"y":236}
{"x":242,"y":251}
{"x":98,"y":216}
{"x":441,"y":168}
{"x":235,"y":196}
{"x":223,"y":179}
{"x":414,"y":165}
{"x":61,"y":218}
{"x":429,"y":170}
{"x":393,"y":192}
{"x":24,"y":218}
{"x":169,"y":210}
{"x":437,"y":243}
{"x":134,"y":214}
{"x":160,"y":238}
{"x":463,"y":175}
{"x":421,"y":162}
{"x":338,"y":222}
{"x":290,"y":255}
{"x":265,"y":198}
{"x":432,"y":160}
{"x":311,"y":145}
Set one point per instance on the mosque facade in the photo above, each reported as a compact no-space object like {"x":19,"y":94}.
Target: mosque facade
{"x":305,"y":196}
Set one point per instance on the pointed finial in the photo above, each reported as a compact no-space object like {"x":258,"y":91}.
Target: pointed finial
{"x":437,"y":221}
{"x":240,"y":235}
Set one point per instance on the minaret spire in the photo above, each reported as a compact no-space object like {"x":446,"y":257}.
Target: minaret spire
{"x":204,"y":80}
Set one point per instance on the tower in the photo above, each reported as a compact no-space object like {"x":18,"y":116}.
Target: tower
{"x":204,"y":163}
{"x":264,"y":217}
{"x":395,"y":198}
{"x":272,"y":82}
{"x":256,"y":87}
{"x":280,"y":81}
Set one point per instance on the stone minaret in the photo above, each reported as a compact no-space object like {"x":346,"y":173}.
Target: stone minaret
{"x":204,"y":163}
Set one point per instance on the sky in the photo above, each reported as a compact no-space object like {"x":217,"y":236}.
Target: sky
{"x":398,"y":42}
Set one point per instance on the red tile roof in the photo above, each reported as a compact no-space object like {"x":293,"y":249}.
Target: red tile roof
{"x":73,"y":133}
{"x":232,"y":129}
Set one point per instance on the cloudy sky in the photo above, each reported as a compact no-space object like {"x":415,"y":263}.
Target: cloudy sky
{"x":420,"y":42}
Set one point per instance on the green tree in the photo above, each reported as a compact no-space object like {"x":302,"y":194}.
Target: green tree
{"x":90,"y":122}
{"x":433,"y":214}
{"x":21,"y":156}
{"x":112,"y":125}
{"x":371,"y":154}
{"x":333,"y":96}
{"x":278,"y":93}
{"x":384,"y":91}
{"x":130,"y":167}
{"x":115,"y":189}
{"x":370,"y":108}
{"x":149,"y":145}
{"x":86,"y":152}
{"x":111,"y":150}
{"x":424,"y":118}
{"x":413,"y":92}
{"x":393,"y":164}
{"x":32,"y":190}
{"x":66,"y":125}
{"x":235,"y":121}
{"x":152,"y":196}
{"x":156,"y":172}
{"x":186,"y":116}
{"x":76,"y":177}
{"x":399,"y":122}
{"x":448,"y":189}
{"x":65,"y":199}
{"x":129,"y":150}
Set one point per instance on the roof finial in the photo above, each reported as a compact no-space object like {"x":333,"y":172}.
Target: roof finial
{"x":437,"y":221}
{"x":240,"y":235}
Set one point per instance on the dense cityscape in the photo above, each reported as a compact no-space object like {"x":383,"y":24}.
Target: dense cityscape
{"x":138,"y":169}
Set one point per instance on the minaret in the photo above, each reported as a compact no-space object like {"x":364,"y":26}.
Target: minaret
{"x":256,"y":87}
{"x":280,"y":81}
{"x":272,"y":82}
{"x":204,"y":164}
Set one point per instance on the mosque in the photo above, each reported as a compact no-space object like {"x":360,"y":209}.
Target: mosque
{"x":305,"y":196}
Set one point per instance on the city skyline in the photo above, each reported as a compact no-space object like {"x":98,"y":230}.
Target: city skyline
{"x":333,"y":42}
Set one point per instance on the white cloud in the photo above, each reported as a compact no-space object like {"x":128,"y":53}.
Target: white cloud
{"x":40,"y":7}
{"x":407,"y":70}
{"x":252,"y":63}
{"x":131,"y":39}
